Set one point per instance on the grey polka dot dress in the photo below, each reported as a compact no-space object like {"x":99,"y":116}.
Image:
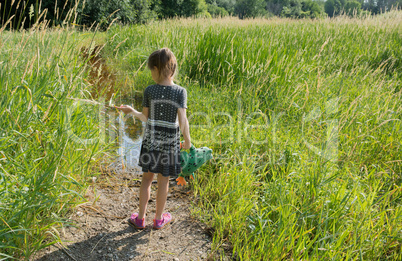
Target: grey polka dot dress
{"x":160,"y":149}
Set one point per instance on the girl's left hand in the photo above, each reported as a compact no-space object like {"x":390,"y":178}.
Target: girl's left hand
{"x":125,"y":108}
{"x":185,"y":145}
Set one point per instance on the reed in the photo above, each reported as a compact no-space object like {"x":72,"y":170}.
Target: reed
{"x":304,"y":119}
{"x":44,"y":161}
{"x":303,"y":116}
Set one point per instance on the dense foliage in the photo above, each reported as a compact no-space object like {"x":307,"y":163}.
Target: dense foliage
{"x":82,"y":12}
{"x":104,"y":12}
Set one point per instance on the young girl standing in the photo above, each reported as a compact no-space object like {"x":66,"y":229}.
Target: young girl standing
{"x":164,"y":111}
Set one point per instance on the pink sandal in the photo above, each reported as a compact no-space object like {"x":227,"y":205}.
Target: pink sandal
{"x":136,"y":222}
{"x":160,"y":223}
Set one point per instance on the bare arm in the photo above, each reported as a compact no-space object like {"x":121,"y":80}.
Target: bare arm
{"x":184,"y":127}
{"x":127,"y":109}
{"x":143,"y":116}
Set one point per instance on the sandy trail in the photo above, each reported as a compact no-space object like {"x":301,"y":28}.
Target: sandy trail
{"x":102,"y":230}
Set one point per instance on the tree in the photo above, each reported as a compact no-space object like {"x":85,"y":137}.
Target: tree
{"x":293,"y":9}
{"x":332,"y":7}
{"x":352,"y":7}
{"x":24,"y":14}
{"x":169,"y":8}
{"x":87,"y":12}
{"x":192,"y":7}
{"x":186,"y":8}
{"x":386,"y":5}
{"x":249,"y":8}
{"x":105,"y":11}
{"x":217,"y":11}
{"x":146,"y":10}
{"x":276,"y":6}
{"x":313,"y":8}
{"x":229,"y":5}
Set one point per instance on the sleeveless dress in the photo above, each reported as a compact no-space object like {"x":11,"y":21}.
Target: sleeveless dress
{"x":160,"y":149}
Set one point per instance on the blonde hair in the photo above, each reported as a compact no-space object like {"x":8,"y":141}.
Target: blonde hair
{"x":164,"y":60}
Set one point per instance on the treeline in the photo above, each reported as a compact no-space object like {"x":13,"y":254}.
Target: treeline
{"x":23,"y":14}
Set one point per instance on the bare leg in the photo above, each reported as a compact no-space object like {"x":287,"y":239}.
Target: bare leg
{"x":161,"y":195}
{"x":145,"y":192}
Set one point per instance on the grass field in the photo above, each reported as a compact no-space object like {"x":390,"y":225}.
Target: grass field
{"x":48,"y":140}
{"x":304,"y":118}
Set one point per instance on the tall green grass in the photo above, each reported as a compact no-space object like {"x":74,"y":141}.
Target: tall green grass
{"x":304,"y":118}
{"x":44,"y":159}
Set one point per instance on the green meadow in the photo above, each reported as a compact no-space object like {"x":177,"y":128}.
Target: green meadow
{"x":303,"y":116}
{"x":47,"y":145}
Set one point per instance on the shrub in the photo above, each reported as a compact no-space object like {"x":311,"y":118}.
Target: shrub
{"x":217,"y":11}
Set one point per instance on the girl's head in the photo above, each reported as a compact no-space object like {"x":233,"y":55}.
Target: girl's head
{"x":164,"y":61}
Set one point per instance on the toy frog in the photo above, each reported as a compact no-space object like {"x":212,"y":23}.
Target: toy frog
{"x":192,"y":161}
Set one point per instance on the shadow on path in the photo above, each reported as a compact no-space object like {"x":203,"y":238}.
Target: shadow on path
{"x":119,"y":245}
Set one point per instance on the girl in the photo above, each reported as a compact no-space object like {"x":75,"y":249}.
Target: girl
{"x":164,"y":111}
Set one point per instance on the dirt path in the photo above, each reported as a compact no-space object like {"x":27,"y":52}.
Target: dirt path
{"x":103,"y":231}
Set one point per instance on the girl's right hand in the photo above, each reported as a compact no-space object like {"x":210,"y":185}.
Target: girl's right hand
{"x":125,"y":108}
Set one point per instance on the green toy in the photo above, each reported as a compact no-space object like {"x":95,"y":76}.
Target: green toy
{"x":192,"y":161}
